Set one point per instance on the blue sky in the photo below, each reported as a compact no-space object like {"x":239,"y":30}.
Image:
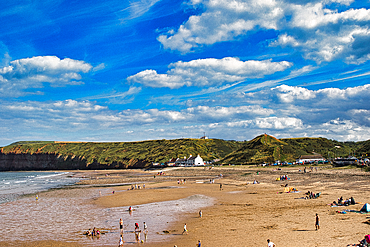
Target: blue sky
{"x":107,"y":71}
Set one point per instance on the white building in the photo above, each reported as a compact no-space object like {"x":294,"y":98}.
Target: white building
{"x":191,"y":161}
{"x":195,"y":161}
{"x":310,"y":158}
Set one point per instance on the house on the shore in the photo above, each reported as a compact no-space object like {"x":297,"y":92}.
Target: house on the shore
{"x":171,"y":162}
{"x":310,"y":158}
{"x":191,"y":161}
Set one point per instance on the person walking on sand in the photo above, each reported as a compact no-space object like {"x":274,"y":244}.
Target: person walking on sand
{"x":185,"y":229}
{"x":121,"y":241}
{"x":198,"y":244}
{"x":317,"y":223}
{"x":121,"y":226}
{"x":270,"y":244}
{"x":220,"y":186}
{"x":200,"y":213}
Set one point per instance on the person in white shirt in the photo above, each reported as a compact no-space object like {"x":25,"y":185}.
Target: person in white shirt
{"x":270,"y":244}
{"x":185,"y":229}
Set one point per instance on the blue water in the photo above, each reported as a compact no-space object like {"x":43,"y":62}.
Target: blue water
{"x":16,"y":184}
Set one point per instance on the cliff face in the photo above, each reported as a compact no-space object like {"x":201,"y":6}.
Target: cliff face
{"x":41,"y":161}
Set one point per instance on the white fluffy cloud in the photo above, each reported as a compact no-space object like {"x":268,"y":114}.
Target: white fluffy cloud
{"x":208,"y":72}
{"x":33,"y":72}
{"x":284,"y":111}
{"x":222,"y":21}
{"x":316,"y":28}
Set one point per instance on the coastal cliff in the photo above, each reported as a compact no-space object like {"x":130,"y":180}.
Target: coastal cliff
{"x":41,"y":161}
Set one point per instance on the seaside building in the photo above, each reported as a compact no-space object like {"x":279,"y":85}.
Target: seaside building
{"x":191,"y":161}
{"x":310,"y":158}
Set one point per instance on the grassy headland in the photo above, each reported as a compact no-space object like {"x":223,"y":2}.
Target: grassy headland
{"x":263,"y":148}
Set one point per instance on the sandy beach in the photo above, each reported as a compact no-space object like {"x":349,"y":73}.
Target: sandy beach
{"x":241,"y":213}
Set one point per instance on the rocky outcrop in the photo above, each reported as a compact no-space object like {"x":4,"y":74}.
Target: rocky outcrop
{"x":44,"y":161}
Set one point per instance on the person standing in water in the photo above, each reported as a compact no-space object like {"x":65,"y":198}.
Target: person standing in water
{"x":121,"y":226}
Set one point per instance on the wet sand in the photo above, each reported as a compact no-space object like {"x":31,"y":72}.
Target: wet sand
{"x":243,"y":213}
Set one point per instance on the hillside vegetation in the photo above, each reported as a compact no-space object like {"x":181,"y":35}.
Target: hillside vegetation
{"x":128,"y":152}
{"x":263,"y":148}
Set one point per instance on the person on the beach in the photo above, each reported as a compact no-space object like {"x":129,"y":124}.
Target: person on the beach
{"x":94,"y":232}
{"x":37,"y":197}
{"x":185,"y":229}
{"x":137,"y":232}
{"x":200,"y":213}
{"x":220,"y":186}
{"x":198,"y":244}
{"x":121,"y":225}
{"x":317,"y":224}
{"x":145,"y":227}
{"x":121,"y":241}
{"x":137,"y":235}
{"x":270,"y":244}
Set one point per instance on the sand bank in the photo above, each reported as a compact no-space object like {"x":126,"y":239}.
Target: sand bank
{"x":243,"y":213}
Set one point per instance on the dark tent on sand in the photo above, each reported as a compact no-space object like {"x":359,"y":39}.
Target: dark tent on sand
{"x":365,"y":208}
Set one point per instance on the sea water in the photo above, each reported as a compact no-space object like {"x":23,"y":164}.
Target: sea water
{"x":64,"y":215}
{"x":16,"y":184}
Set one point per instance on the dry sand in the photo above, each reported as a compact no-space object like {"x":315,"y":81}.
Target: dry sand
{"x":247,"y":214}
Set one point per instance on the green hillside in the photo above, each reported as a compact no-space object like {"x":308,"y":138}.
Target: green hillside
{"x":263,"y":148}
{"x":124,"y":152}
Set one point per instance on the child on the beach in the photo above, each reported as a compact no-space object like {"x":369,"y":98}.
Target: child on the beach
{"x":185,"y":229}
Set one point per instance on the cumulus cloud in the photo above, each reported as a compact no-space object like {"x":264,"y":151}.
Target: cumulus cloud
{"x":322,"y":31}
{"x":283,"y":111}
{"x":222,"y":21}
{"x":208,"y":72}
{"x":33,"y":72}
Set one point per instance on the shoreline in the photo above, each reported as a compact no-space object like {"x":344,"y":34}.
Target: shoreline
{"x":243,"y":213}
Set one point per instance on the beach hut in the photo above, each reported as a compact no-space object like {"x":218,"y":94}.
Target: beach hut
{"x":365,"y":208}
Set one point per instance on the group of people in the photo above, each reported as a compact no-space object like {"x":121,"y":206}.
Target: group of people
{"x":311,"y":195}
{"x":94,"y":232}
{"x":311,"y":168}
{"x":284,"y":177}
{"x":341,"y":202}
{"x":137,"y":232}
{"x":181,"y":181}
{"x":136,"y":186}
